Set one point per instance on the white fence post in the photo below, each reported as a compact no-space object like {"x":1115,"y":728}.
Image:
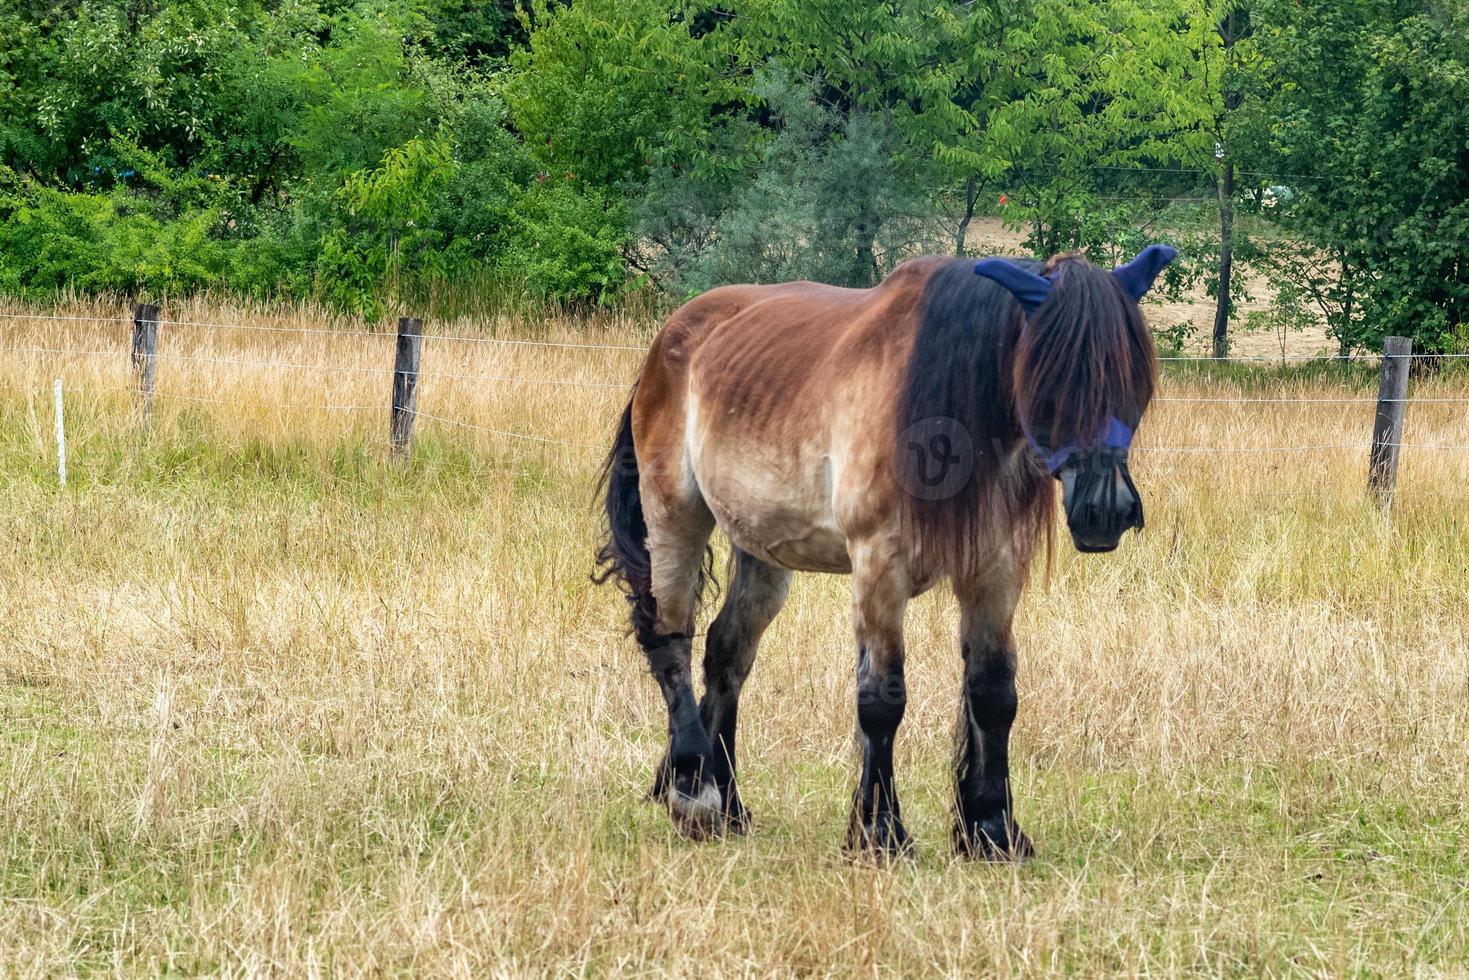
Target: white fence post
{"x":60,"y":436}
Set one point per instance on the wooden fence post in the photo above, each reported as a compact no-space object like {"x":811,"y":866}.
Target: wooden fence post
{"x":1387,"y":429}
{"x":405,"y":382}
{"x":145,"y":353}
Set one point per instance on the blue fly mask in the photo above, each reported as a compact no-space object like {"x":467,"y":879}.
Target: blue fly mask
{"x":1136,"y":278}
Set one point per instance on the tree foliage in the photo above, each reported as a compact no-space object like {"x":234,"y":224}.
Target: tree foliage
{"x":605,"y":88}
{"x":1371,"y":122}
{"x":358,"y":149}
{"x":824,"y":200}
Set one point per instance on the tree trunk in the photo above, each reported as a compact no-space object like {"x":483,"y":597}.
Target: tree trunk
{"x":1229,"y":33}
{"x":971,"y":192}
{"x":866,"y":269}
{"x":1226,"y":258}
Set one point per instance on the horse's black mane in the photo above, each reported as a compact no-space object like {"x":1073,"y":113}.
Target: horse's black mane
{"x":963,"y":354}
{"x":960,"y":370}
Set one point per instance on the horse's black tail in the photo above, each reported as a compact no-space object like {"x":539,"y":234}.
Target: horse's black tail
{"x":624,"y":555}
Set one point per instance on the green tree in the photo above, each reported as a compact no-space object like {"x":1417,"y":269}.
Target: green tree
{"x":472,"y":215}
{"x":825,"y":201}
{"x":364,"y":92}
{"x":887,"y":74}
{"x":477,"y":33}
{"x":606,"y":88}
{"x":107,"y":71}
{"x":1370,"y":101}
{"x":1071,"y":91}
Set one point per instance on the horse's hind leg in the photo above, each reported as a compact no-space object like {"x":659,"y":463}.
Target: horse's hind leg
{"x":757,"y":591}
{"x":984,"y":823}
{"x":678,"y":532}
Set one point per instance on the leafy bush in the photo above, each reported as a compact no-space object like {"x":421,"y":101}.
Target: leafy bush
{"x":566,"y":241}
{"x":606,"y":87}
{"x":471,"y":216}
{"x":154,"y":232}
{"x":1172,"y":340}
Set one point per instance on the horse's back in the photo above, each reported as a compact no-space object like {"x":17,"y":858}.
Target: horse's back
{"x":804,"y":319}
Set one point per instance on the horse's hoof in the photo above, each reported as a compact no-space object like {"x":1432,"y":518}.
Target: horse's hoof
{"x":698,"y":813}
{"x":689,"y":805}
{"x":882,"y":838}
{"x":993,"y":840}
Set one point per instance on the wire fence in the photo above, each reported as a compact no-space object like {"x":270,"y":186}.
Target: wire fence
{"x":500,"y":381}
{"x":337,"y":332}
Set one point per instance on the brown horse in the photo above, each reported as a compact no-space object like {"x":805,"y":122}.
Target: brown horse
{"x":902,"y":434}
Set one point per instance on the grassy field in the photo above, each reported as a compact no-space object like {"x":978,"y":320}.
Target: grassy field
{"x":273,"y":704}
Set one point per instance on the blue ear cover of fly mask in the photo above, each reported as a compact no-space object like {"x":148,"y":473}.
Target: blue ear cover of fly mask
{"x":1027,"y":287}
{"x":1138,"y":276}
{"x":1031,"y":290}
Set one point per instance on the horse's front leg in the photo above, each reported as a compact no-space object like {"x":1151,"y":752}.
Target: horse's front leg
{"x":880,"y":593}
{"x":984,"y":822}
{"x":756,"y":593}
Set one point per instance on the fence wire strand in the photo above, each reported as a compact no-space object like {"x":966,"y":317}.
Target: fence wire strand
{"x":337,"y":332}
{"x":607,"y":385}
{"x":615,"y":386}
{"x":1313,"y":401}
{"x":447,"y":338}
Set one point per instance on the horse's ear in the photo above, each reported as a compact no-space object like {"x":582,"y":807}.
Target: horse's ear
{"x":1138,"y":276}
{"x":1030,"y":289}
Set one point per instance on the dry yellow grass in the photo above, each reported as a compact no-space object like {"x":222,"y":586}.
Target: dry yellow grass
{"x":274,"y":705}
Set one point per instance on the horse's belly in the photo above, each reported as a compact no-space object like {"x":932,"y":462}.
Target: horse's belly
{"x":817,"y":552}
{"x":778,"y":522}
